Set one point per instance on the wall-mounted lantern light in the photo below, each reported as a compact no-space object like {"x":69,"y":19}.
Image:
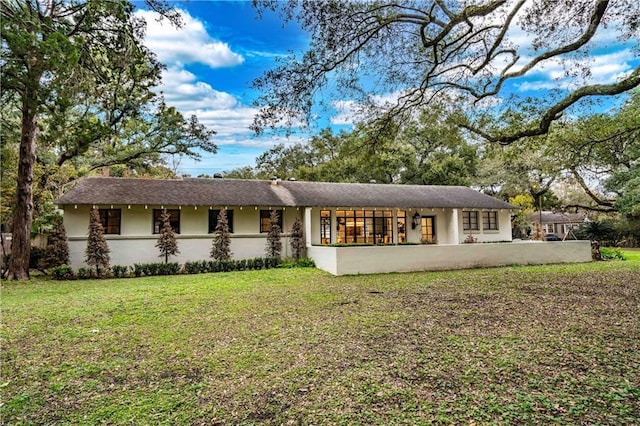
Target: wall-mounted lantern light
{"x":415,"y":222}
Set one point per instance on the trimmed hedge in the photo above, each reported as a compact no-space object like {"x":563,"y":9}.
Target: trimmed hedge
{"x":205,"y":266}
{"x":151,"y":269}
{"x":65,"y":272}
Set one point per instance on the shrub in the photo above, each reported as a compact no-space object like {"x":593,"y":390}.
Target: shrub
{"x":258,"y":263}
{"x":274,"y":242}
{"x":602,"y":231}
{"x":470,"y":239}
{"x":221,"y":244}
{"x":241,"y":265}
{"x":119,"y":271}
{"x":195,"y":267}
{"x":214,"y":266}
{"x":166,"y":243}
{"x":143,"y":269}
{"x":57,"y":251}
{"x":611,"y":253}
{"x":272,"y":262}
{"x":86,"y":273}
{"x":36,"y":257}
{"x":97,"y":253}
{"x":297,"y":239}
{"x":305,"y":262}
{"x":171,"y":268}
{"x":151,"y":269}
{"x":62,"y":272}
{"x":251,"y":264}
{"x":137,"y":269}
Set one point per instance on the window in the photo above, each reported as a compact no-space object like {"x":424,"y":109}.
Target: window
{"x":490,"y":221}
{"x":265,"y":220}
{"x":402,"y":223}
{"x":368,"y":226}
{"x":213,"y":220}
{"x":325,"y":227}
{"x":470,"y":221}
{"x":174,"y":220}
{"x":110,"y":219}
{"x":428,"y":229}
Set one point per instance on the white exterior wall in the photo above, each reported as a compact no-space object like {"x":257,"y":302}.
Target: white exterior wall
{"x":503,"y":233}
{"x":136,"y":241}
{"x":383,"y":259}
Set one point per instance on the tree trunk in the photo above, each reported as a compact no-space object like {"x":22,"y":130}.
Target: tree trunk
{"x":23,"y":212}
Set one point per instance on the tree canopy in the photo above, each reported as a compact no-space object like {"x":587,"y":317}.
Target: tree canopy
{"x":426,"y":150}
{"x":78,"y":83}
{"x":416,"y":53}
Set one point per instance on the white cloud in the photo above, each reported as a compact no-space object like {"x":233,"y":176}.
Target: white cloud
{"x":346,"y":112}
{"x":183,"y":90}
{"x":189,"y":44}
{"x":605,"y":68}
{"x":233,"y":152}
{"x":189,"y":93}
{"x":226,"y":122}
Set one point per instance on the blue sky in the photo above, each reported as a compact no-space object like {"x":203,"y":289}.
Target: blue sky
{"x":211,"y":63}
{"x":212,"y":60}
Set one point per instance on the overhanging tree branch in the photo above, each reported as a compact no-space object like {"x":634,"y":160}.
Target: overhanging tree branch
{"x":555,"y":112}
{"x":418,"y":47}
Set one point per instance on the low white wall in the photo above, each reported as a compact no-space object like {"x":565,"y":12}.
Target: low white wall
{"x":405,"y":258}
{"x":130,"y":250}
{"x":324,"y":257}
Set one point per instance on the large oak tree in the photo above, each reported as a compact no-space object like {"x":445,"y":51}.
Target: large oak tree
{"x":82,"y":82}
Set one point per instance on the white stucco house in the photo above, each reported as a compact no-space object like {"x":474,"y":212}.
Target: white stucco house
{"x":349,"y":227}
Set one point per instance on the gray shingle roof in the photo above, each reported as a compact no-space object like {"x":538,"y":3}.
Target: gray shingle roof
{"x":558,"y":217}
{"x":241,"y":192}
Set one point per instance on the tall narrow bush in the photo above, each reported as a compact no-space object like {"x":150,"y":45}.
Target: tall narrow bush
{"x":97,"y":253}
{"x":274,"y":242}
{"x":57,"y":250}
{"x":166,"y":243}
{"x":221,"y":245}
{"x":297,"y":239}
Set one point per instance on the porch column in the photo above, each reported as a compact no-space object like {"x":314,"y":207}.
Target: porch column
{"x":455,"y":234}
{"x":307,"y":225}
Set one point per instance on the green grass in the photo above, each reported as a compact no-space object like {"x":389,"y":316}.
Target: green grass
{"x":546,"y":344}
{"x":632,"y":254}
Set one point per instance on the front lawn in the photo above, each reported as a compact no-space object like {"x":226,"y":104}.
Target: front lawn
{"x":632,"y":254}
{"x":506,"y":345}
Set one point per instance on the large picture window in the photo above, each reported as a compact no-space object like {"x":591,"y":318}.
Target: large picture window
{"x":110,"y":219}
{"x":490,"y":221}
{"x":470,"y":221}
{"x":174,"y":220}
{"x":213,"y":220}
{"x":325,"y":227}
{"x":364,"y":227}
{"x":265,"y":220}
